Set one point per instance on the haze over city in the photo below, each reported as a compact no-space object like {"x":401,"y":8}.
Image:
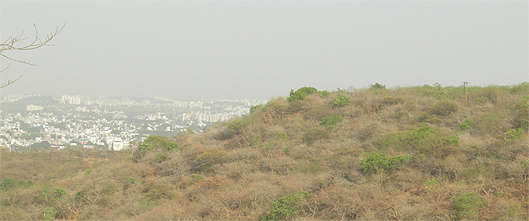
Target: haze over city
{"x":259,"y":49}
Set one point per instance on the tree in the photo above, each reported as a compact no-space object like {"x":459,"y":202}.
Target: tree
{"x":12,"y":43}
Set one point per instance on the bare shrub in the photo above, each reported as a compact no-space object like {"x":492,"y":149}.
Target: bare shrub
{"x":314,"y":134}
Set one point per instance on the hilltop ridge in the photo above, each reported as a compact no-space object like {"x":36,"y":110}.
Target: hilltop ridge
{"x":413,"y":153}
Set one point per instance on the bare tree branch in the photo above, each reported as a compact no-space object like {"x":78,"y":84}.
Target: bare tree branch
{"x":13,"y":44}
{"x":10,"y":82}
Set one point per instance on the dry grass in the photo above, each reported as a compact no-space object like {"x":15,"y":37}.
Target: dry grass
{"x":282,"y":149}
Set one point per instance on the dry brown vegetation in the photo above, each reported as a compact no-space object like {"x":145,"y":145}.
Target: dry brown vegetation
{"x":413,"y":153}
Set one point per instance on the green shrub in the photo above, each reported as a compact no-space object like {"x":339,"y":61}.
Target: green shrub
{"x":330,"y":122}
{"x":341,"y":100}
{"x":173,"y":145}
{"x":522,"y":88}
{"x":431,"y":182}
{"x":79,"y":196}
{"x":89,"y":171}
{"x":443,"y":108}
{"x":193,"y":178}
{"x":286,"y":150}
{"x":450,"y":141}
{"x":234,"y":127}
{"x":159,"y":191}
{"x":521,"y":112}
{"x":161,"y":157}
{"x":59,"y":192}
{"x":256,"y":108}
{"x":154,"y":142}
{"x":377,"y":86}
{"x":49,"y":214}
{"x":7,"y":184}
{"x":281,"y":137}
{"x":467,"y":123}
{"x":513,"y":135}
{"x":285,"y":207}
{"x":324,"y":93}
{"x":515,"y":212}
{"x":416,"y":136}
{"x":377,"y":161}
{"x":301,"y":94}
{"x":465,"y":206}
{"x":439,"y":91}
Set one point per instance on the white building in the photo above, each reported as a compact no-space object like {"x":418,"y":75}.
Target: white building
{"x":117,"y":144}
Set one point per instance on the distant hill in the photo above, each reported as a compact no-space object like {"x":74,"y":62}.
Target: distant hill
{"x":20,"y":105}
{"x":410,"y":153}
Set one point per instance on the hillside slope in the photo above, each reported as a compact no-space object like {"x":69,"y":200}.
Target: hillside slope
{"x":421,"y":153}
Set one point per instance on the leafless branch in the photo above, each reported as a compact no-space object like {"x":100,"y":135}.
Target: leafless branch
{"x":10,"y":82}
{"x":13,"y":44}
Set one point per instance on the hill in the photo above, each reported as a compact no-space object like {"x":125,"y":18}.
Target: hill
{"x":421,"y":153}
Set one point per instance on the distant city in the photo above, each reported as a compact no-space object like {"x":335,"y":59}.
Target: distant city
{"x":107,"y":123}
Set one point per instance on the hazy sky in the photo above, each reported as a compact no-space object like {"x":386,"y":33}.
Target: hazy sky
{"x":262,"y":49}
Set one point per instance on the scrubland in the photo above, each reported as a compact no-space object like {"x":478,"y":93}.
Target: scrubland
{"x":410,"y":153}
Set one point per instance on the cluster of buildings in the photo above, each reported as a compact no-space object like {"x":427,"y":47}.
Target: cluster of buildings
{"x":87,"y":122}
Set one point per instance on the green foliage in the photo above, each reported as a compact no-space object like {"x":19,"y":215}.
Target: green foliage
{"x":450,"y":141}
{"x":81,"y":194}
{"x":523,"y":103}
{"x":465,"y":206}
{"x":522,"y":88}
{"x":513,"y":135}
{"x":417,"y":135}
{"x":467,"y":123}
{"x":431,"y":182}
{"x":301,"y":94}
{"x":88,"y":172}
{"x":286,"y":150}
{"x":49,"y":213}
{"x":154,"y":142}
{"x":47,"y":196}
{"x":341,"y":100}
{"x":22,"y":183}
{"x":439,"y":91}
{"x":282,"y":137}
{"x":173,"y":145}
{"x":193,"y":178}
{"x":7,"y":184}
{"x":443,"y":108}
{"x":285,"y":207}
{"x":256,"y":108}
{"x":378,"y":86}
{"x":525,"y":163}
{"x":161,"y":157}
{"x":521,"y":112}
{"x":515,"y":212}
{"x":159,"y":191}
{"x":330,"y":122}
{"x":59,"y":192}
{"x":234,"y":127}
{"x":324,"y":93}
{"x":377,"y":161}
